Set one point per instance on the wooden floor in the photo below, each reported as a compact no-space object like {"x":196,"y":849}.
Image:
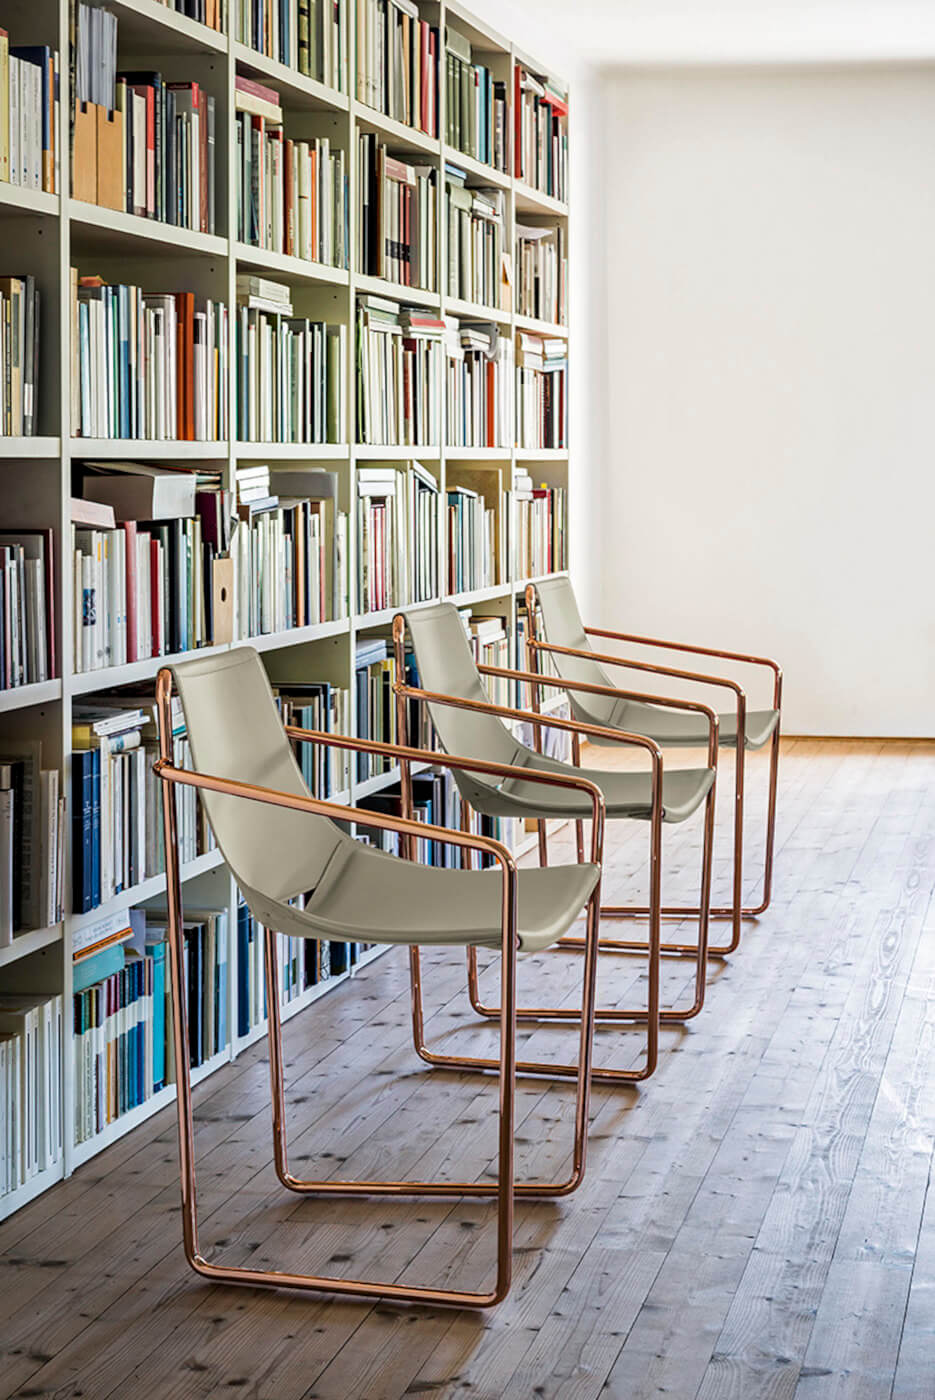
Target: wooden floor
{"x":756,"y":1221}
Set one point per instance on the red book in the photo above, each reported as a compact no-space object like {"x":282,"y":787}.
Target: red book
{"x":250,"y":85}
{"x":129,"y":529}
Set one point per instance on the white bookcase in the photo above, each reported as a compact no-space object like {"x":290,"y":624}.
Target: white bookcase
{"x":45,"y":235}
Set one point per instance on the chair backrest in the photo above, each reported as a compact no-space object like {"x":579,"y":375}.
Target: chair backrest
{"x":446,"y":665}
{"x":562,"y":626}
{"x":235,"y":732}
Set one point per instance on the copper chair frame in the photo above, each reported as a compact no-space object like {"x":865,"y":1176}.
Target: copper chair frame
{"x":505,"y":1188}
{"x":651,"y":1015}
{"x":737,"y":910}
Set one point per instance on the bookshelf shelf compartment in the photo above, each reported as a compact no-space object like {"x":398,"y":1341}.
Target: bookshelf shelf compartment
{"x":476,"y":311}
{"x":477,"y":169}
{"x":550,"y":328}
{"x":31,"y":942}
{"x":87,"y":682}
{"x":393,"y":452}
{"x":31,"y":447}
{"x":293,"y":451}
{"x":396,"y":291}
{"x":151,"y":449}
{"x":297,"y":636}
{"x":147,"y":27}
{"x":295,"y":89}
{"x":82,"y":1152}
{"x":22,"y":696}
{"x":147,"y":889}
{"x":16,"y":199}
{"x":285,"y":265}
{"x":398,"y":135}
{"x":532,"y":201}
{"x":113,"y":231}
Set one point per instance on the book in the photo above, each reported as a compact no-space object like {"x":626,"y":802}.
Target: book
{"x":27,"y":607}
{"x":397,"y":216}
{"x":476,"y":239}
{"x":399,"y":364}
{"x":30,"y":1086}
{"x":291,"y":376}
{"x":540,"y":116}
{"x":478,"y":384}
{"x":475,"y":105}
{"x":29,"y":121}
{"x":542,"y":272}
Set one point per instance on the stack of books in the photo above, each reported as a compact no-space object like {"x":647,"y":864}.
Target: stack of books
{"x":289,"y":550}
{"x":542,"y":273}
{"x":475,"y":105}
{"x":541,"y":392}
{"x":32,"y":841}
{"x":30,"y":1087}
{"x":472,"y":541}
{"x":478,"y":384}
{"x":292,"y":196}
{"x":27,"y":608}
{"x":540,"y":528}
{"x":145,"y":541}
{"x":169,"y":150}
{"x":307,"y":35}
{"x":325,"y":707}
{"x":291,"y":372}
{"x":30,"y":128}
{"x":147,"y":365}
{"x":397,"y":222}
{"x":397,"y":63}
{"x":399,"y":359}
{"x":375,"y":702}
{"x":476,"y":225}
{"x":116,"y":805}
{"x":397,"y":536}
{"x":19,"y":356}
{"x":541,"y":133}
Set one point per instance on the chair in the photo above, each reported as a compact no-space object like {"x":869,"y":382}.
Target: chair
{"x":465,"y":721}
{"x":566,"y":641}
{"x":242,"y":756}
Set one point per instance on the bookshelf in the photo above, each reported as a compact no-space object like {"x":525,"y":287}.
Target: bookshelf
{"x":47,"y":234}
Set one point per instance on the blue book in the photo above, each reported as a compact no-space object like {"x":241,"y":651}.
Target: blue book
{"x":157,"y":953}
{"x":243,"y":969}
{"x":95,"y":827}
{"x":98,"y":967}
{"x":81,"y":818}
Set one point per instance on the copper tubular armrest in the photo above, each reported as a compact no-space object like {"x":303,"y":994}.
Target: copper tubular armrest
{"x":630,"y":664}
{"x":698,"y":651}
{"x":164,"y":769}
{"x":483,"y":707}
{"x":557,"y":684}
{"x":471,"y":765}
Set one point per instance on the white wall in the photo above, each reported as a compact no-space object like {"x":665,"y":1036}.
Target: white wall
{"x":766,"y":420}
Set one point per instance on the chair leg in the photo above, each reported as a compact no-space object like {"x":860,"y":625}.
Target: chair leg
{"x":650,"y":1016}
{"x":501,"y":1190}
{"x":582,"y":1072}
{"x":668,"y":1016}
{"x":735,"y":911}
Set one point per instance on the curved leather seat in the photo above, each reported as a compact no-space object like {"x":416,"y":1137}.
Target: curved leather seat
{"x":447,"y":667}
{"x":563,"y":627}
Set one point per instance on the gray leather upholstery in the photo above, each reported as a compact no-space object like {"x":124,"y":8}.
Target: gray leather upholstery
{"x":359,"y":893}
{"x":445,"y":665}
{"x":562,"y":626}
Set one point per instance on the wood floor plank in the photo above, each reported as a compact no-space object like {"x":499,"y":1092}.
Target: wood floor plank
{"x":756,"y":1222}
